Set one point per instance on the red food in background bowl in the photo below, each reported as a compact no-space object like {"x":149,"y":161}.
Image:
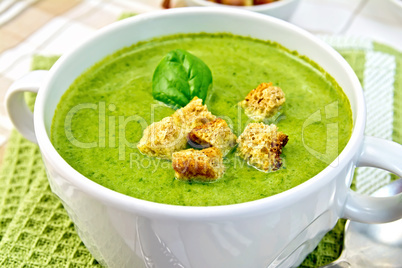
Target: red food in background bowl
{"x":243,"y":2}
{"x":281,"y":9}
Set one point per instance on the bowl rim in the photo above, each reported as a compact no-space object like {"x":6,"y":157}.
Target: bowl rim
{"x":257,"y":8}
{"x":155,"y":210}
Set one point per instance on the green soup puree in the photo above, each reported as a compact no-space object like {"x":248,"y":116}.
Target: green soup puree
{"x":102,"y":115}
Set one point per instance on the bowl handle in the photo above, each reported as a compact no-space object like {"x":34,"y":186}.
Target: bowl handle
{"x":18,"y":111}
{"x":383,"y":154}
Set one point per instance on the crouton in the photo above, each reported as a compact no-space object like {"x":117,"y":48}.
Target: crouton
{"x":192,"y":115}
{"x":261,"y":146}
{"x":169,"y":135}
{"x":263,"y":102}
{"x":214,"y":134}
{"x":198,"y":165}
{"x":163,"y":138}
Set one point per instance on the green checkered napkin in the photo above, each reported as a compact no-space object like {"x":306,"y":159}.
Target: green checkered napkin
{"x":35,"y":230}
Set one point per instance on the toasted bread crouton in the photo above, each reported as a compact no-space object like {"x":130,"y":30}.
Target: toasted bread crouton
{"x":214,"y":134}
{"x":263,"y":102}
{"x":162,"y":139}
{"x":261,"y":146}
{"x":198,"y":165}
{"x":193,"y":115}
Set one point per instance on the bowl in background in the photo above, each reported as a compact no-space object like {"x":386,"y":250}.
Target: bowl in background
{"x":396,"y":6}
{"x":397,"y":3}
{"x":281,"y":9}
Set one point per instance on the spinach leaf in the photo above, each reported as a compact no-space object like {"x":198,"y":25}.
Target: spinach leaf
{"x":179,"y":77}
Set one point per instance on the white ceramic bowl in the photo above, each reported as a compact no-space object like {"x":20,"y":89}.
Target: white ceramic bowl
{"x":282,"y":9}
{"x":278,"y":231}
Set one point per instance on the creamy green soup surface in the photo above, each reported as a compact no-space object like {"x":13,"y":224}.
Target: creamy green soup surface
{"x":102,"y":115}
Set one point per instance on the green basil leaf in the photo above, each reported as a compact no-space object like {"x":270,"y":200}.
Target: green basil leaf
{"x":179,"y":77}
